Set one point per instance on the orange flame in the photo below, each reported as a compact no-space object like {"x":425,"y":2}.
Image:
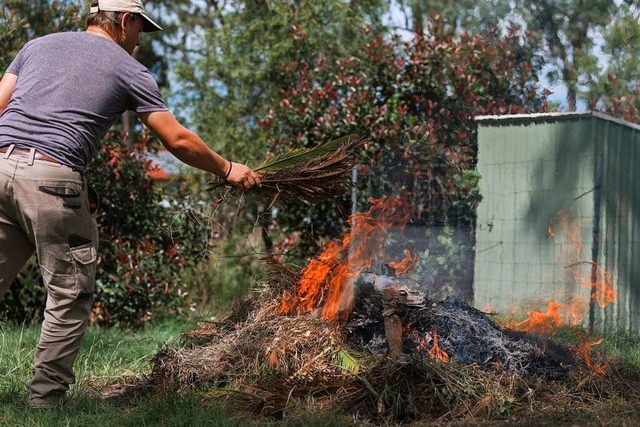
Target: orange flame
{"x":488,"y":309}
{"x":598,"y":281}
{"x":585,"y":351}
{"x":436,"y":351}
{"x":541,"y":322}
{"x":406,"y":264}
{"x":327,"y":282}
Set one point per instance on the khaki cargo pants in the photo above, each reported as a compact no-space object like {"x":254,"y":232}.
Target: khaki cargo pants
{"x":44,"y":208}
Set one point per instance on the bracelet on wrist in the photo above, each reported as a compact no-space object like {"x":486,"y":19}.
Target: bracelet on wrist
{"x":229,"y":171}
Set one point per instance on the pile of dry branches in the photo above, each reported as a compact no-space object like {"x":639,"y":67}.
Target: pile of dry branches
{"x":272,"y":365}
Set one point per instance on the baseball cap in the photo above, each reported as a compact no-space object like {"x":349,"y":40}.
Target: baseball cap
{"x":132,"y":6}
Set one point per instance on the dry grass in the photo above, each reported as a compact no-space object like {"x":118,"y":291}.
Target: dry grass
{"x":272,"y":365}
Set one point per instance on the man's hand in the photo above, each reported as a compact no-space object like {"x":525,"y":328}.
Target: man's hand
{"x":242,"y":176}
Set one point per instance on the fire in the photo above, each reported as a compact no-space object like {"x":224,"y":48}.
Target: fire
{"x":436,"y":351}
{"x":406,"y":264}
{"x":326,"y":286}
{"x":327,"y":283}
{"x":541,"y":322}
{"x":584,"y":350}
{"x":488,"y":309}
{"x":598,"y":282}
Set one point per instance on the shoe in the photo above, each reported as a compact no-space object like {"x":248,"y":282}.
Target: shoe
{"x":51,"y":403}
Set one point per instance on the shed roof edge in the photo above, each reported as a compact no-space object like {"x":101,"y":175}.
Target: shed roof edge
{"x":542,"y":116}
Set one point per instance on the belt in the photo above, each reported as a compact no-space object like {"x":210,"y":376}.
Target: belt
{"x":25,"y":152}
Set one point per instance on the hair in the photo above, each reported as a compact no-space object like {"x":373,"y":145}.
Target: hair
{"x":109,"y":21}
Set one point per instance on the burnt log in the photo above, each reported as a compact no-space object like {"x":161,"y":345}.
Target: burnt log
{"x":392,"y":322}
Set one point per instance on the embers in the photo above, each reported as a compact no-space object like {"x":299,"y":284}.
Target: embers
{"x":396,"y":320}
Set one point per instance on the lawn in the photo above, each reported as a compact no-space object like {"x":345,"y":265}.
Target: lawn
{"x":110,"y":357}
{"x":114,"y":360}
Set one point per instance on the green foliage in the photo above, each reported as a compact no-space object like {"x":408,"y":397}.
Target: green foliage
{"x":569,"y":35}
{"x":145,"y":246}
{"x":350,"y":363}
{"x":237,"y":69}
{"x":465,"y":15}
{"x":415,"y":101}
{"x":569,"y":29}
{"x":22,"y":20}
{"x":615,"y":88}
{"x":230,"y":76}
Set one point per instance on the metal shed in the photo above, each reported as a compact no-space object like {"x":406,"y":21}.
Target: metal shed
{"x":560,"y":215}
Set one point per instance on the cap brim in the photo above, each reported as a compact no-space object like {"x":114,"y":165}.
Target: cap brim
{"x":149,"y":25}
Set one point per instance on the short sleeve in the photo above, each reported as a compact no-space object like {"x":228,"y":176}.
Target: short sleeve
{"x":16,"y":64}
{"x":145,"y":94}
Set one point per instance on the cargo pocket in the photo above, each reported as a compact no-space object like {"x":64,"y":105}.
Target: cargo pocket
{"x":64,"y":189}
{"x":84,"y":260}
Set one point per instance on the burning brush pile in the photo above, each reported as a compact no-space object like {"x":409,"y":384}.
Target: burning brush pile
{"x":351,"y":333}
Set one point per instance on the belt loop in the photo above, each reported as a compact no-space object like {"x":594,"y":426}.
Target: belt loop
{"x":32,"y":156}
{"x":9,"y":151}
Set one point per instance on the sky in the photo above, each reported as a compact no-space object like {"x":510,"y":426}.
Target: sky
{"x":396,"y":19}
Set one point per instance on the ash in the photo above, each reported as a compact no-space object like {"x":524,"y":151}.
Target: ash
{"x":365,"y":327}
{"x":467,"y":335}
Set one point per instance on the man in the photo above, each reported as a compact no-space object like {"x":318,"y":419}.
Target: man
{"x":58,"y":98}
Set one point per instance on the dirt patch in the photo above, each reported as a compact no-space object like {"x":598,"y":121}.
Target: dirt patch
{"x":124,"y":392}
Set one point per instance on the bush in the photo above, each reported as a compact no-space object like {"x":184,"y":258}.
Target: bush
{"x":415,"y":102}
{"x":24,"y":302}
{"x":144,"y":245}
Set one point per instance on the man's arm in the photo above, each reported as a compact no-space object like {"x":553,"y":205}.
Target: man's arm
{"x":7,"y":85}
{"x":191,"y":149}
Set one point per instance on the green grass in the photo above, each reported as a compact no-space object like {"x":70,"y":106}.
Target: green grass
{"x":623,"y":346}
{"x":110,"y":357}
{"x":117,"y":356}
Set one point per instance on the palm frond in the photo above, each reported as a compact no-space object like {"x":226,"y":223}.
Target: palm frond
{"x":297,"y":157}
{"x":310,"y":174}
{"x":349,"y":362}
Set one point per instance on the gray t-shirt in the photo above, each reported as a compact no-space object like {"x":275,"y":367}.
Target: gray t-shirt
{"x":71,"y":88}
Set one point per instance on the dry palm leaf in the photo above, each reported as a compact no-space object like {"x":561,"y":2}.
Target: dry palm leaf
{"x":307,"y":175}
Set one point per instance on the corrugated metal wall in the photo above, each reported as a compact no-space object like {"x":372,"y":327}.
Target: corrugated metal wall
{"x":571,"y":170}
{"x":620,"y":235}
